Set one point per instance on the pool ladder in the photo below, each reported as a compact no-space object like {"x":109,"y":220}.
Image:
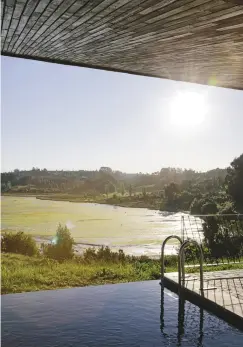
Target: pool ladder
{"x":181,"y":261}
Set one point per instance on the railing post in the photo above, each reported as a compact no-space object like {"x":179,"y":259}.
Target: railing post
{"x":181,"y":264}
{"x":182,"y":228}
{"x":163,"y":251}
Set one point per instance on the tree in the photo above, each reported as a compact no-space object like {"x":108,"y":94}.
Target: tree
{"x":107,"y":189}
{"x":196,"y":206}
{"x":106,"y":169}
{"x":170,"y":191}
{"x":227,"y":208}
{"x":203,"y":205}
{"x":185,"y":199}
{"x":234,"y":182}
{"x":62,"y":245}
{"x":209,"y":207}
{"x":130,"y":190}
{"x":122,"y":189}
{"x":223,"y":237}
{"x":3,"y":187}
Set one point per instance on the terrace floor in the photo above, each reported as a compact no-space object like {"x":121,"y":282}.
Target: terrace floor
{"x":223,"y":292}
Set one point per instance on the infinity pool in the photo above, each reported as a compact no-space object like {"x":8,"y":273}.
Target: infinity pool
{"x":132,"y":314}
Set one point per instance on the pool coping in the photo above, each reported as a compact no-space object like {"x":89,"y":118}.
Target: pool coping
{"x":205,"y":303}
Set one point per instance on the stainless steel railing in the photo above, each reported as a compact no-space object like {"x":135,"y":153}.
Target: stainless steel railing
{"x":181,"y":264}
{"x":163,"y":253}
{"x":181,"y":261}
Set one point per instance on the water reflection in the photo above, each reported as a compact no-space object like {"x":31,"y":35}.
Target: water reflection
{"x":162,"y":309}
{"x":181,"y":320}
{"x":200,"y":338}
{"x":181,"y":325}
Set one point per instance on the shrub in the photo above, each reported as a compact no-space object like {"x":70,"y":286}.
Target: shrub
{"x":18,"y":243}
{"x":107,"y":274}
{"x":192,"y":253}
{"x":171,"y":260}
{"x":62,"y":245}
{"x":104,"y":254}
{"x":89,"y":254}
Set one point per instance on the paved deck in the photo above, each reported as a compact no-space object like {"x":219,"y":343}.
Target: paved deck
{"x":223,"y":292}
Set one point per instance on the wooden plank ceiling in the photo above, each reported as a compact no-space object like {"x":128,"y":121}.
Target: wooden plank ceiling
{"x":197,"y":41}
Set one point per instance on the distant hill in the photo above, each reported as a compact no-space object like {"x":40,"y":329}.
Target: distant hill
{"x":101,"y":181}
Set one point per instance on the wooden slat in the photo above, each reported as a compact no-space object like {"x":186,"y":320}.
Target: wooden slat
{"x":93,"y":26}
{"x":177,"y":39}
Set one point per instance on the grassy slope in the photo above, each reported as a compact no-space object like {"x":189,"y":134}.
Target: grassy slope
{"x":22,"y":274}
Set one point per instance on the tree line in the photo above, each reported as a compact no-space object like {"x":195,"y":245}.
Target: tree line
{"x":170,"y":189}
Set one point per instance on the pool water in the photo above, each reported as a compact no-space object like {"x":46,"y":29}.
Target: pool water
{"x":131,"y":314}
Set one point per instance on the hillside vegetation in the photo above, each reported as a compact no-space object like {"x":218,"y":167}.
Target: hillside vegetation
{"x":170,"y":189}
{"x":55,"y":265}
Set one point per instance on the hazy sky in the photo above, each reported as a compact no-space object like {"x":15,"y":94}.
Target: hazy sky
{"x":60,"y":117}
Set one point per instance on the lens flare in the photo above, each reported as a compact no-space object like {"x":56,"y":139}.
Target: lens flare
{"x":54,"y":240}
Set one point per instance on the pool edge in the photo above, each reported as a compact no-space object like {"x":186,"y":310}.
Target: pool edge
{"x":205,"y":303}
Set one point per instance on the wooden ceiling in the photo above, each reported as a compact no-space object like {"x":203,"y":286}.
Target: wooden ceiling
{"x":197,"y":41}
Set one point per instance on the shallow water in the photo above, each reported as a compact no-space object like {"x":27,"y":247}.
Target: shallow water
{"x":131,"y":314}
{"x":136,"y":230}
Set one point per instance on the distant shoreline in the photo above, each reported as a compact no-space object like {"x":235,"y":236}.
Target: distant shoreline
{"x":78,"y":199}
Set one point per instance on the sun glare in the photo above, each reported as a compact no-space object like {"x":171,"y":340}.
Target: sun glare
{"x":188,"y":109}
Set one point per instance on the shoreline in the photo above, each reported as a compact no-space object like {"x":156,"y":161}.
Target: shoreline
{"x":130,"y":204}
{"x":132,"y":250}
{"x":78,"y":199}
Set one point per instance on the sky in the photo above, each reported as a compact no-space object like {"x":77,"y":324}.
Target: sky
{"x":72,"y":118}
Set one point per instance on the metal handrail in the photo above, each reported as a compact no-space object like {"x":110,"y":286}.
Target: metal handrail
{"x":163,"y":251}
{"x":181,"y":265}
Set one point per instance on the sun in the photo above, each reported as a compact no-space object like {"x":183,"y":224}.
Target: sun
{"x":188,"y":109}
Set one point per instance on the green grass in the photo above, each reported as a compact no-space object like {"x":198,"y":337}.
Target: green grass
{"x":23,"y":274}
